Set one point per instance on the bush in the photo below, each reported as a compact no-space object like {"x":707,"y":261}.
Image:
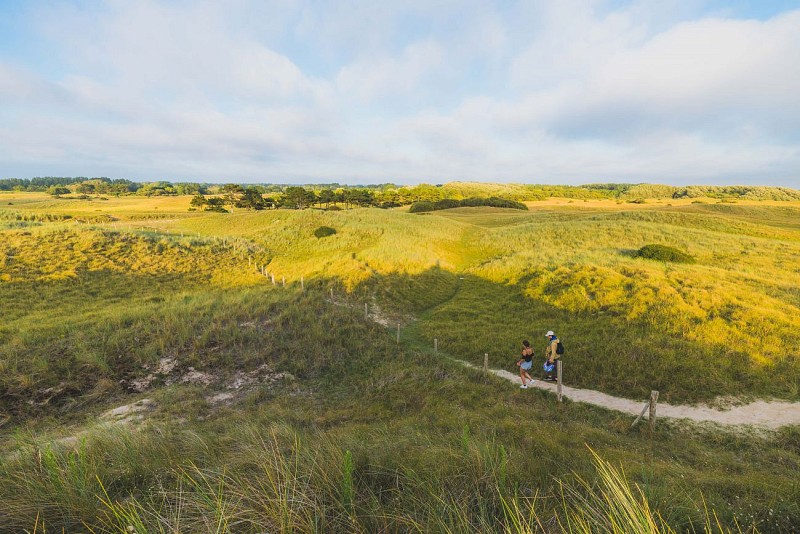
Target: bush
{"x":419,"y":207}
{"x":324,"y":231}
{"x":664,"y":253}
{"x":448,"y":203}
{"x":493,"y":202}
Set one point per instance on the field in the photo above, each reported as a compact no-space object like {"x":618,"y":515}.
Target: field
{"x":345,"y":429}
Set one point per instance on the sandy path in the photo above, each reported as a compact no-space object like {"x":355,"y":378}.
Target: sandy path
{"x":764,"y":414}
{"x":770,"y":415}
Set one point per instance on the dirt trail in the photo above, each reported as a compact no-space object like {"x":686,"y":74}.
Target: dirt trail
{"x":770,"y":415}
{"x":765,"y":414}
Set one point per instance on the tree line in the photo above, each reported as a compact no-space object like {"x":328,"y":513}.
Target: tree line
{"x":383,"y":195}
{"x":292,"y":197}
{"x":61,"y":185}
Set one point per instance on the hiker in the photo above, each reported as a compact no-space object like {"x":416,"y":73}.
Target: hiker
{"x":552,"y":353}
{"x":525,"y":363}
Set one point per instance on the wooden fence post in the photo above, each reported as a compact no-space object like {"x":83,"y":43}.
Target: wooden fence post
{"x":435,"y":346}
{"x":272,"y":276}
{"x":366,"y":311}
{"x":302,"y":283}
{"x":398,"y":333}
{"x":646,"y":406}
{"x":558,"y":377}
{"x":331,"y":293}
{"x":653,"y":401}
{"x":283,"y":278}
{"x":486,"y":362}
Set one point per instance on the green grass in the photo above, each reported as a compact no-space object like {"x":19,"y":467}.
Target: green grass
{"x":431,"y":446}
{"x":374,"y":436}
{"x":631,"y":325}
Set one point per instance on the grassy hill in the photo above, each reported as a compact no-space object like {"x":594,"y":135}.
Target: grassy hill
{"x":354,"y":432}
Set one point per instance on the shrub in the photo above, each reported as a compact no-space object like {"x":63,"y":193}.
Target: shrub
{"x":494,"y":202}
{"x":664,"y":253}
{"x":324,"y":231}
{"x":448,"y":203}
{"x":419,"y":207}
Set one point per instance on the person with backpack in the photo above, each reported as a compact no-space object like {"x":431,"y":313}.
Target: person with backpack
{"x":525,"y":363}
{"x":553,"y":352}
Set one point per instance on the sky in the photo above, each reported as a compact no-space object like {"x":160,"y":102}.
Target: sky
{"x":301,"y":91}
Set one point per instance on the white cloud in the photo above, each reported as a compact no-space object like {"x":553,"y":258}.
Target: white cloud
{"x":386,"y":76}
{"x":701,"y":75}
{"x":567,"y":91}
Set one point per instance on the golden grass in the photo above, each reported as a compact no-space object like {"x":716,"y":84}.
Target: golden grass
{"x":569,"y":261}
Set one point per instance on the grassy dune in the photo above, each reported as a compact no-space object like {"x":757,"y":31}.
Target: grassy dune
{"x":368,"y":435}
{"x":434,"y":447}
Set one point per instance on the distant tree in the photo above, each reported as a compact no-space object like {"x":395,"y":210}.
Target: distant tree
{"x":216,"y":204}
{"x":251,"y":199}
{"x":156,"y":189}
{"x":297,"y":197}
{"x":57,"y":190}
{"x":363,"y":197}
{"x":231,"y":193}
{"x":198,"y":201}
{"x":85,"y":188}
{"x":388,"y":198}
{"x":426,"y":192}
{"x":339,"y":194}
{"x":186,"y":188}
{"x":327,"y":196}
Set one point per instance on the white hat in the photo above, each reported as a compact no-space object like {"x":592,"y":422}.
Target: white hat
{"x":549,"y":333}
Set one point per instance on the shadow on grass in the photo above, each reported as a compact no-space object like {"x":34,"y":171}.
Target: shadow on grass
{"x":111,"y":325}
{"x":470,"y":316}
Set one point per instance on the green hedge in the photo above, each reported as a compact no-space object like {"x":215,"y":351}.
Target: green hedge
{"x":449,"y":203}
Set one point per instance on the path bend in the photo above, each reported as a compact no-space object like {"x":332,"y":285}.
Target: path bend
{"x":764,"y":414}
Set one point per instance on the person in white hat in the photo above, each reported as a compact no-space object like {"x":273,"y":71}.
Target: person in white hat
{"x":552,"y":354}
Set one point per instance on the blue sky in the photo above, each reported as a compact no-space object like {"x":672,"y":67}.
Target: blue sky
{"x":679,"y":92}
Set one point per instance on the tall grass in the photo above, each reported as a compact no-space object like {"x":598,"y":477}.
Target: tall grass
{"x":280,"y":482}
{"x":374,"y":436}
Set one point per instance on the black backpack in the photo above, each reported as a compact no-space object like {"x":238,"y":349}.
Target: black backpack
{"x":559,"y":348}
